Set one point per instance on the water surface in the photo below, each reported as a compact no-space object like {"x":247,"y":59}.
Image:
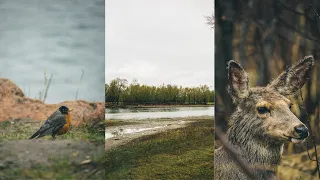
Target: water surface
{"x":145,"y":113}
{"x":61,"y":37}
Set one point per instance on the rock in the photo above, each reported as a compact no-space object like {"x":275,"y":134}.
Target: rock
{"x":16,"y":106}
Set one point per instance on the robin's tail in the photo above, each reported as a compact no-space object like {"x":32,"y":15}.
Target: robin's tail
{"x":35,"y":134}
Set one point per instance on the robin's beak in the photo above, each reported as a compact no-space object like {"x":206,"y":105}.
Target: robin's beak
{"x":70,"y":110}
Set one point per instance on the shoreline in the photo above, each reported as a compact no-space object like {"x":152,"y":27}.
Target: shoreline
{"x":160,"y":106}
{"x":150,"y":126}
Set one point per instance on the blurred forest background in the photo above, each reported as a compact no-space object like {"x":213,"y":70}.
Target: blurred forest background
{"x":120,"y":93}
{"x":266,"y":37}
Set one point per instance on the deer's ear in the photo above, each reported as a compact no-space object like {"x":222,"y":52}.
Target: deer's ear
{"x":238,"y":81}
{"x":290,"y":81}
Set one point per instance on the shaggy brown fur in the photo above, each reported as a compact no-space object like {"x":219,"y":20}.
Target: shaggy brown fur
{"x":262,"y":122}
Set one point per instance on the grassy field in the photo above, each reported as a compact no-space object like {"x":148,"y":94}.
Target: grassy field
{"x":23,"y":129}
{"x":78,"y":154}
{"x":185,"y":153}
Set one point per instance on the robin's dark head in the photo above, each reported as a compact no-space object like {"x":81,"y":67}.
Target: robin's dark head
{"x":64,"y":110}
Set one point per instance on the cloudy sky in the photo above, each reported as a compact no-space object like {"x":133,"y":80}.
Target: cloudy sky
{"x":159,"y":42}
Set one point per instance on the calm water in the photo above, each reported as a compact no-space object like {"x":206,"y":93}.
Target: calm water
{"x":59,"y":36}
{"x":143,"y":113}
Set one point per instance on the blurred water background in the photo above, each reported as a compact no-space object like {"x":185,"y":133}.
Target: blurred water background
{"x":60,"y":37}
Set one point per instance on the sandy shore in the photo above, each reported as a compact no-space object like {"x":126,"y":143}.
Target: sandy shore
{"x":125,"y":133}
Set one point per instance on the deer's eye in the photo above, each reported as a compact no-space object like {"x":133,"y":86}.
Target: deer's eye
{"x":263,"y":110}
{"x":290,"y":106}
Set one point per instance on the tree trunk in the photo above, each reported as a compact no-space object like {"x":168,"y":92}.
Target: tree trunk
{"x":223,"y":54}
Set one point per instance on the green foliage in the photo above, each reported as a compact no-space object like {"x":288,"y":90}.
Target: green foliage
{"x":119,"y":92}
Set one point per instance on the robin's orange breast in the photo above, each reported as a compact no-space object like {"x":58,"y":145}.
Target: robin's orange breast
{"x":66,"y":127}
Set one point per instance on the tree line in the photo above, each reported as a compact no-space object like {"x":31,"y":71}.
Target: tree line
{"x":119,"y":92}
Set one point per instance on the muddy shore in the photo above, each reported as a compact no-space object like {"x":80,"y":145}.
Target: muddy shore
{"x":137,"y":128}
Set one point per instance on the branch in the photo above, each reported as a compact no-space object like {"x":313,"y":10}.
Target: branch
{"x":289,"y":9}
{"x":82,"y":72}
{"x":210,"y":20}
{"x":312,"y":136}
{"x":305,"y":35}
{"x":248,"y":15}
{"x":47,"y":88}
{"x":233,"y":153}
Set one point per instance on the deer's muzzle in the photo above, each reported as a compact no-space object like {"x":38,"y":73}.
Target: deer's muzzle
{"x":302,"y":132}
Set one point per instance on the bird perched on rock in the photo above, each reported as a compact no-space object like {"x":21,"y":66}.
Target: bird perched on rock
{"x":57,"y":123}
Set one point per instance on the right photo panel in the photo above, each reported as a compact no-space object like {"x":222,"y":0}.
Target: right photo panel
{"x":267,"y":89}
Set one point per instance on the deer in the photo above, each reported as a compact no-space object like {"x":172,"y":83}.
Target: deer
{"x":261,"y":122}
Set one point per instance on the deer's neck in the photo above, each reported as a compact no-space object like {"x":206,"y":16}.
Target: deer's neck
{"x":261,"y":154}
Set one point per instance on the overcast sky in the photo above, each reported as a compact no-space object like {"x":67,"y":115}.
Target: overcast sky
{"x":159,"y":42}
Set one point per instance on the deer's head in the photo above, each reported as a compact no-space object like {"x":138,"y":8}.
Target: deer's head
{"x":268,"y":109}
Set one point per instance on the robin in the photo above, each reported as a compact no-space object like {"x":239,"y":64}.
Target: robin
{"x":57,"y":123}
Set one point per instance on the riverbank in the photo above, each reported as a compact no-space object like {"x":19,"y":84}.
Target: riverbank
{"x":182,"y":150}
{"x":133,"y":129}
{"x":159,"y":106}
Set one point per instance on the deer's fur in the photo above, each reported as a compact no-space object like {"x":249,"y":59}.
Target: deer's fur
{"x":259,"y":137}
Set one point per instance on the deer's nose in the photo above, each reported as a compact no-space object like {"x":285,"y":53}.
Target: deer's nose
{"x":302,"y":131}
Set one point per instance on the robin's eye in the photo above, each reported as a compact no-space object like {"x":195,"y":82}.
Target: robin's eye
{"x":263,"y":110}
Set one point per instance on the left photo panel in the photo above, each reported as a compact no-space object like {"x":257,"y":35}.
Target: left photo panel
{"x":52,"y":89}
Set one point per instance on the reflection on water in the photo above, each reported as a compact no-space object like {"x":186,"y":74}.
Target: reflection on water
{"x":62,"y":37}
{"x":144,"y":113}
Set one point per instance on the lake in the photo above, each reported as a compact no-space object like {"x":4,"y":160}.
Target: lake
{"x":59,"y":37}
{"x":145,"y":113}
